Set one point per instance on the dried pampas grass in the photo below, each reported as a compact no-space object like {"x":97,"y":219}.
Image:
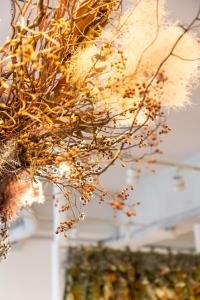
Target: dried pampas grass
{"x":159,"y":57}
{"x":155,"y":46}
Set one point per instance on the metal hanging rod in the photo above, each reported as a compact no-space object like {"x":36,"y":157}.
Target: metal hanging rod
{"x":167,"y":249}
{"x":180,"y":166}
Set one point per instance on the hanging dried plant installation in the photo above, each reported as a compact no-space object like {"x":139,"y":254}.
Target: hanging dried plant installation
{"x":80,"y":84}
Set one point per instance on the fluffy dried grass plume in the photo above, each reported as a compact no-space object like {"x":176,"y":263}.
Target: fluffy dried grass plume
{"x":157,"y":53}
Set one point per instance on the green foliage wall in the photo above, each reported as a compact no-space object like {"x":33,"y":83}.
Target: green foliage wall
{"x":106,"y":274}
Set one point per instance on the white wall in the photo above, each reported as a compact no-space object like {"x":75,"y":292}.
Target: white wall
{"x":26,"y":275}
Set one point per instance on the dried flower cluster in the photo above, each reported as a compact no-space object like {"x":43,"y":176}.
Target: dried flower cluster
{"x":80,"y":84}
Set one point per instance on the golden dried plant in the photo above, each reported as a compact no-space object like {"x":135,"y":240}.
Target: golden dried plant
{"x":80,"y":83}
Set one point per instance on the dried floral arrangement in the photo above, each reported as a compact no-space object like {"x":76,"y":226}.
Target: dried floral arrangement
{"x":81,"y":82}
{"x":106,"y":274}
